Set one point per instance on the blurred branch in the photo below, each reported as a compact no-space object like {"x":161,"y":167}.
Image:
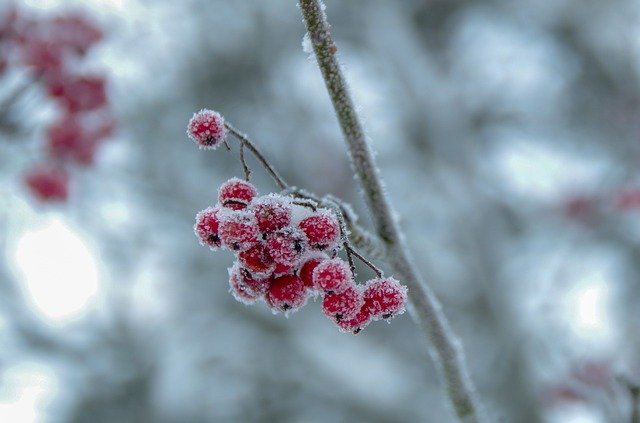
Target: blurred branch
{"x":427,"y":310}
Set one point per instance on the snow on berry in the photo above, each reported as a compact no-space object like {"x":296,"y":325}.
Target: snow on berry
{"x":258,"y":285}
{"x":357,"y":323}
{"x":272,"y":212}
{"x":322,"y":229}
{"x":332,"y":276}
{"x":282,"y":269}
{"x":206,"y":128}
{"x":207,"y":226}
{"x":385,"y":298}
{"x":344,"y":305}
{"x":257,"y":261}
{"x":308,"y":266}
{"x":48,"y":183}
{"x":236,"y":194}
{"x":237,"y":287}
{"x":286,"y":246}
{"x":286,"y":293}
{"x":238,"y":230}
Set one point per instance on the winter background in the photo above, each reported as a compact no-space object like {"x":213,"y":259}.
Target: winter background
{"x":508,"y":133}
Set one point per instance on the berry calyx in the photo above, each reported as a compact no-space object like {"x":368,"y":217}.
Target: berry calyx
{"x":332,"y":276}
{"x":385,"y":298}
{"x":236,"y":194}
{"x":206,"y":128}
{"x":238,"y":230}
{"x":343,"y":306}
{"x":286,"y":246}
{"x":207,"y":226}
{"x":286,"y":293}
{"x":272,"y":212}
{"x":322,"y":229}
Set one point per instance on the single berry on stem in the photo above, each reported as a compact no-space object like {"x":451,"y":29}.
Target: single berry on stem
{"x":238,"y":230}
{"x":207,"y":227}
{"x":236,"y":194}
{"x":206,"y":128}
{"x":385,"y":298}
{"x":332,"y":276}
{"x":272,"y":212}
{"x":257,"y":285}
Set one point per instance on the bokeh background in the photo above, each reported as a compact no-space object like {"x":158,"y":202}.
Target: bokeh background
{"x":508,"y":134}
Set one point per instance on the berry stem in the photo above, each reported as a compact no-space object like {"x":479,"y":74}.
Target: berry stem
{"x":427,"y":311}
{"x":351,"y":250}
{"x":258,"y":155}
{"x":245,"y":167}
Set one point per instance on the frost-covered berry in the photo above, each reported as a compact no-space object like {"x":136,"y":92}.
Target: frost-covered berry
{"x":283,"y":269}
{"x":207,"y":226}
{"x":257,"y":261}
{"x":236,"y":194}
{"x":332,"y":276}
{"x":286,"y":246}
{"x":344,"y":305}
{"x":322,"y":229}
{"x":308,"y":266}
{"x":238,"y":230}
{"x":272,"y":212}
{"x":286,"y":293}
{"x":238,"y":288}
{"x":385,"y":298}
{"x":357,"y":323}
{"x":257,"y":285}
{"x":48,"y":183}
{"x":206,"y":128}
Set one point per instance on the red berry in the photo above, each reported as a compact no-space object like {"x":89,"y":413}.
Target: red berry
{"x":48,"y":183}
{"x":258,"y":285}
{"x":43,"y":55}
{"x":357,"y":323}
{"x":207,"y":226}
{"x":78,"y":93}
{"x":286,"y":246}
{"x":206,"y":128}
{"x":332,"y":276}
{"x":67,"y":139}
{"x":344,"y":305}
{"x":385,"y":298}
{"x":272,"y":211}
{"x":286,"y":293}
{"x":308,"y":266}
{"x":75,"y":32}
{"x":238,"y":288}
{"x":236,"y":194}
{"x":322,"y":229}
{"x":257,"y":261}
{"x":282,"y":269}
{"x":238,"y":230}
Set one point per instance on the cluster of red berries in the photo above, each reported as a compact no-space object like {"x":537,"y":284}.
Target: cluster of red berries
{"x":286,"y":252}
{"x":50,"y":52}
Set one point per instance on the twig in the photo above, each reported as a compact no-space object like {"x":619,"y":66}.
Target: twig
{"x":258,"y":155}
{"x":245,"y":167}
{"x":372,"y":266}
{"x":427,"y":310}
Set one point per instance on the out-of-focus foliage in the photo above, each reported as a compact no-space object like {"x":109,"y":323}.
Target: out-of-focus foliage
{"x":508,"y":135}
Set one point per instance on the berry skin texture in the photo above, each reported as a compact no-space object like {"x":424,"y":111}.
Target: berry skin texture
{"x":48,"y":184}
{"x":238,"y":288}
{"x":207,"y":226}
{"x":257,"y":261}
{"x":332,"y":276}
{"x":206,"y":128}
{"x":272,"y":212}
{"x":286,"y":293}
{"x":385,"y":298}
{"x":236,"y":194}
{"x":357,"y":323}
{"x":308,"y":266}
{"x":286,"y":246}
{"x":257,"y":285}
{"x":344,"y":305}
{"x":238,"y":230}
{"x":322,"y":229}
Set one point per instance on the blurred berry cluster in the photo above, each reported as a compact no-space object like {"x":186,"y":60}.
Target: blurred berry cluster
{"x":49,"y":52}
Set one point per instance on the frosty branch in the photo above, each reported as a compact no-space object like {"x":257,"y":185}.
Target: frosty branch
{"x":427,"y":310}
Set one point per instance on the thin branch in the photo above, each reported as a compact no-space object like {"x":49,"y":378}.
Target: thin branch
{"x":245,"y":167}
{"x":427,"y":311}
{"x":258,"y":155}
{"x":360,"y":257}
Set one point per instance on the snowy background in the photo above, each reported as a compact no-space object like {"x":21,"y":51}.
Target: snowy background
{"x":508,"y":133}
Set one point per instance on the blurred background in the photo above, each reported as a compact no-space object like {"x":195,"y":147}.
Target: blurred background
{"x":508,"y":134}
